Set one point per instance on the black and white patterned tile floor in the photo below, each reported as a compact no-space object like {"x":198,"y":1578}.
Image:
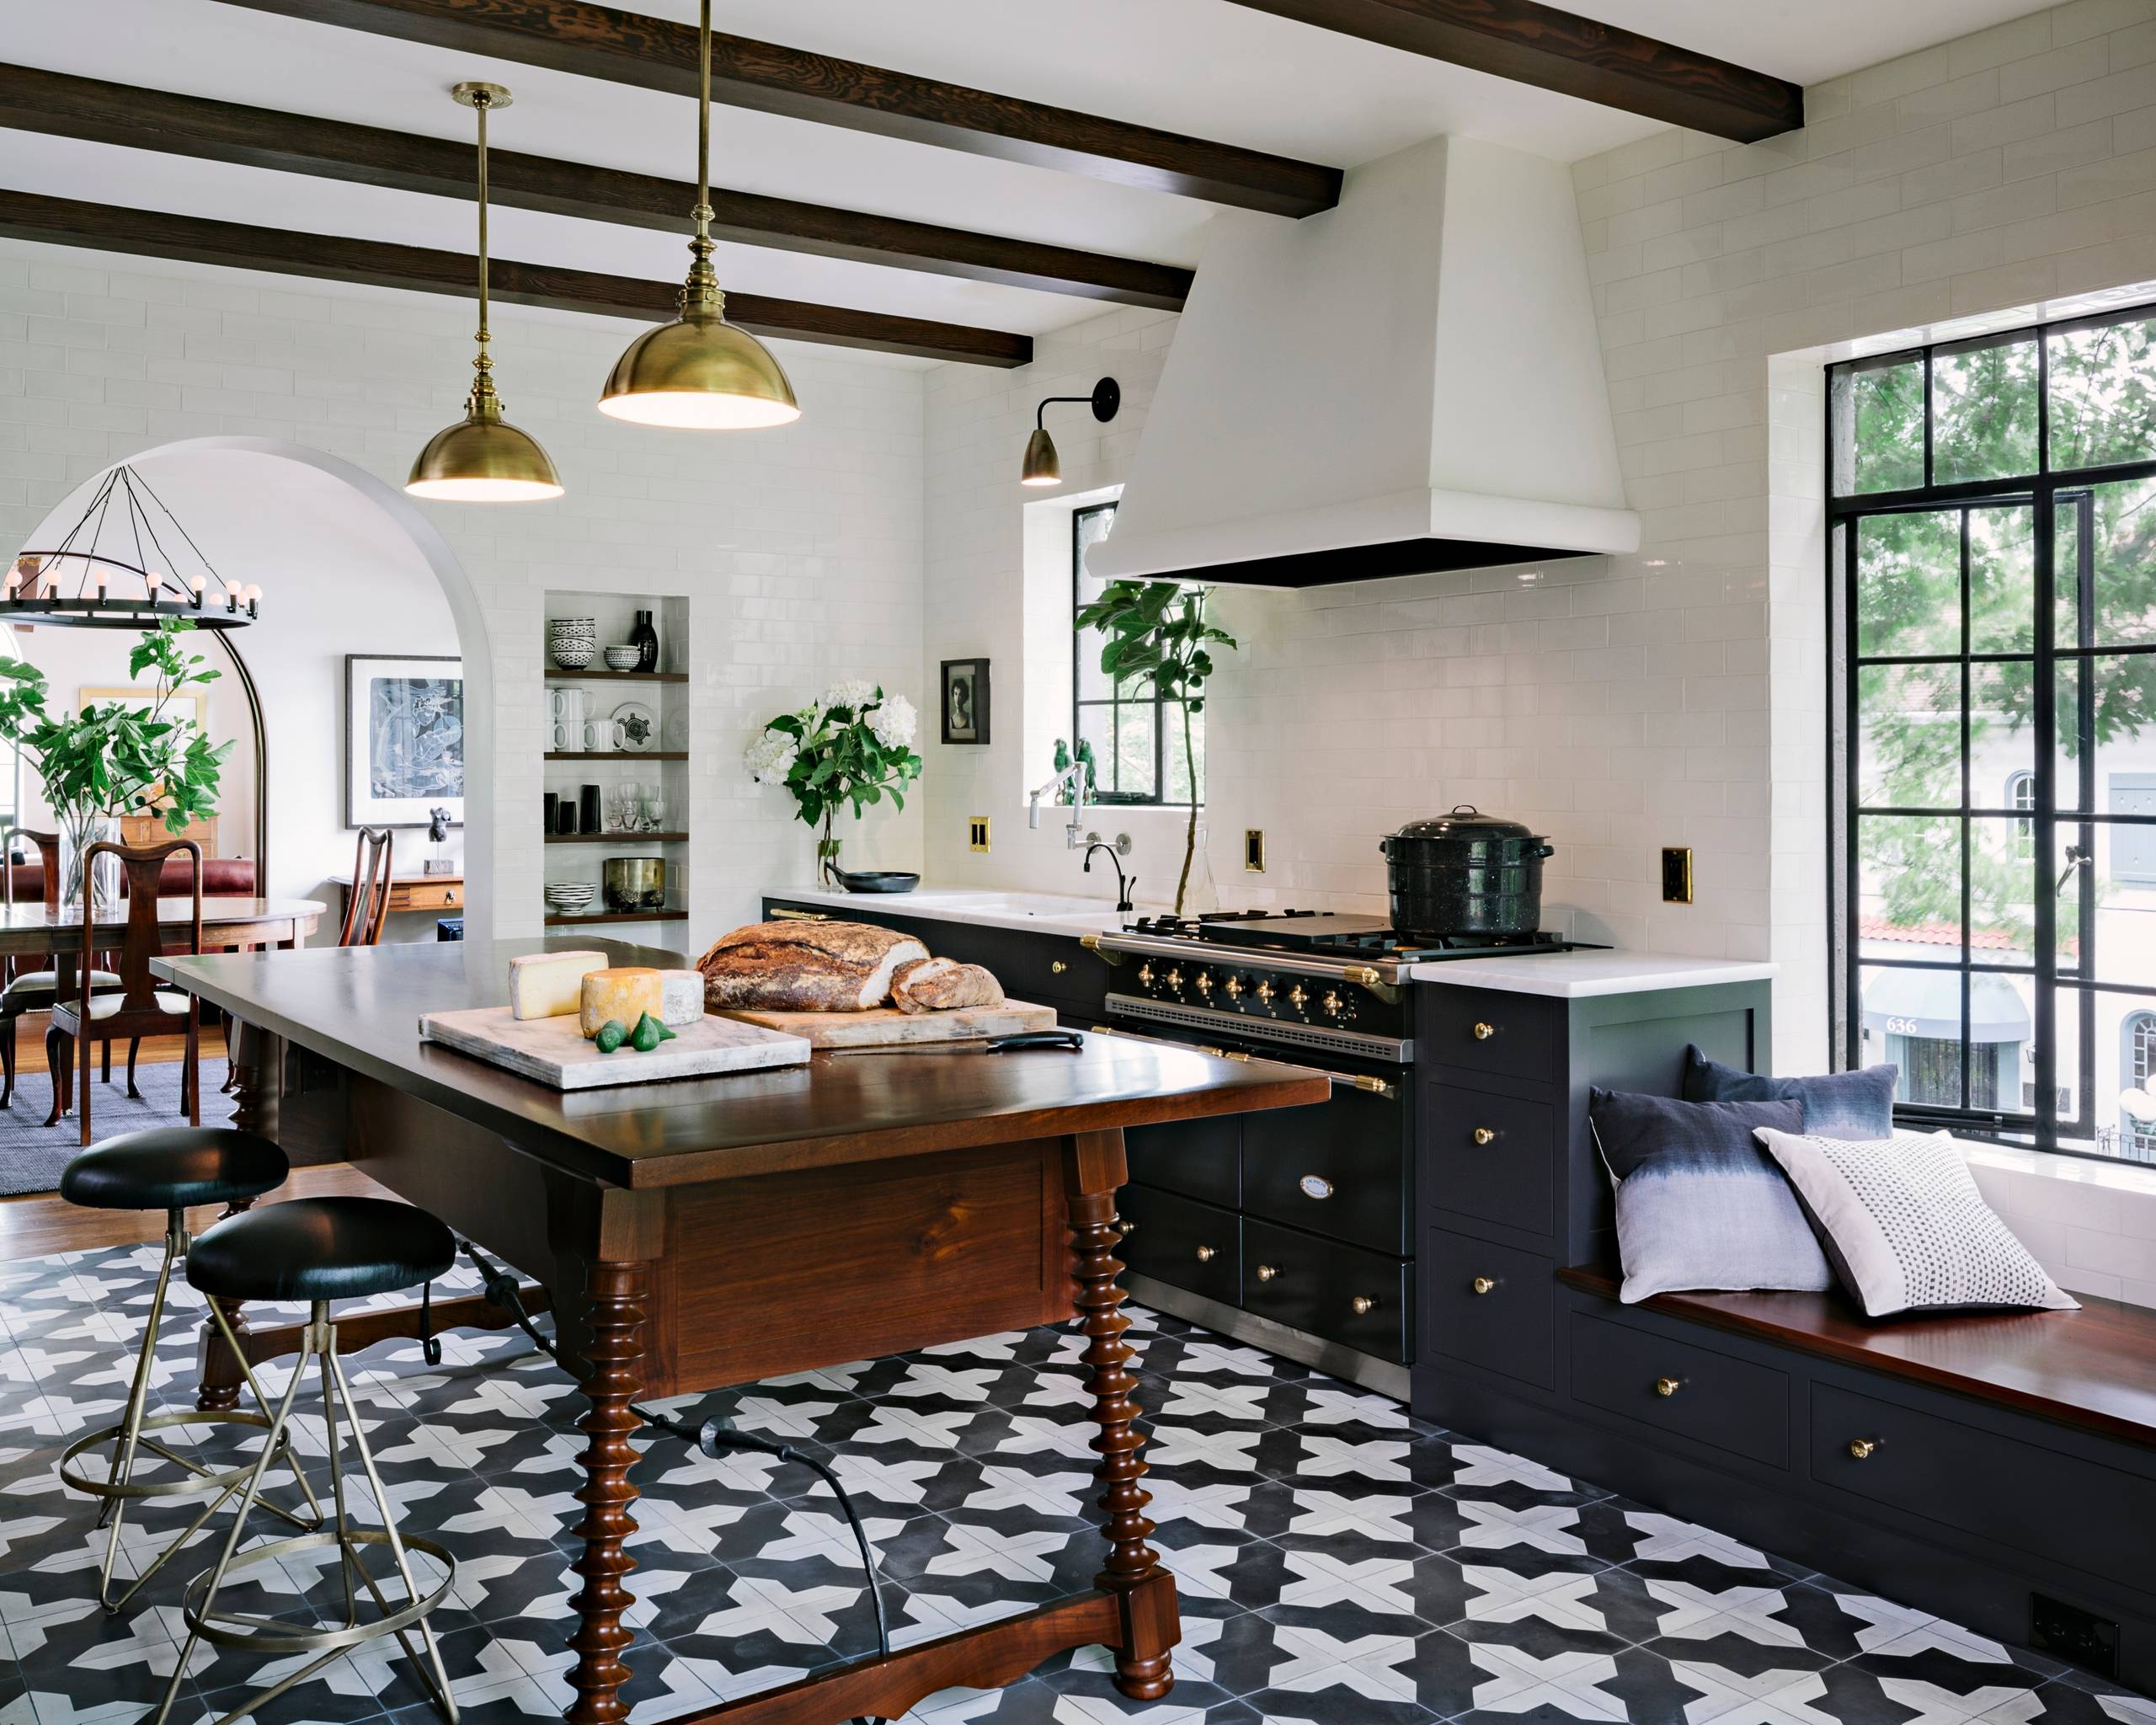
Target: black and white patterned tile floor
{"x":1339,"y":1563}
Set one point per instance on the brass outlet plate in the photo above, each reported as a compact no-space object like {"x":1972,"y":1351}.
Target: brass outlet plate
{"x":1253,"y":850}
{"x":976,"y":832}
{"x":1677,"y":874}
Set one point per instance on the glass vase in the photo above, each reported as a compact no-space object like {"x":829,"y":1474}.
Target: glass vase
{"x":77,"y":834}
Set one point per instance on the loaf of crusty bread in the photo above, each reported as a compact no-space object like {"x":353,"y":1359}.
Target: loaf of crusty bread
{"x":943,"y":986}
{"x":804,"y":967}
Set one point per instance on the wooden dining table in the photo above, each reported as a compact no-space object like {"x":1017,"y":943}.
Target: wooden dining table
{"x":36,"y":930}
{"x":695,"y":1233}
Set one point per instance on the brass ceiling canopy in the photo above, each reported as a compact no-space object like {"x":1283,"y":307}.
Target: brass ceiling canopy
{"x":700,"y":372}
{"x":1042,"y":466}
{"x":483,"y":458}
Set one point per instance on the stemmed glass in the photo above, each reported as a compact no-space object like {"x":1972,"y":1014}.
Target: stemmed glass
{"x":654,"y":808}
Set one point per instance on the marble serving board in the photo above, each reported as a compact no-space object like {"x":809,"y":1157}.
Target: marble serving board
{"x":884,"y":1026}
{"x":554,"y":1052}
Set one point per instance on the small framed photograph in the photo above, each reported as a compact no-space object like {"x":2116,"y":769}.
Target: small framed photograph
{"x":965,"y":700}
{"x":403,"y":739}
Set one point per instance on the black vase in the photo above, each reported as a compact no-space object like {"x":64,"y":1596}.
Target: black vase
{"x":645,"y":639}
{"x":589,"y":815}
{"x":565,"y":816}
{"x":553,"y":804}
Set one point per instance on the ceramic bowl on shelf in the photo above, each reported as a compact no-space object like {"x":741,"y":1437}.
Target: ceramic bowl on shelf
{"x":572,"y":642}
{"x":623,"y":657}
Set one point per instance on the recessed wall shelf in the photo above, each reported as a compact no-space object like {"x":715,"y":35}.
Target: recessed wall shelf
{"x":618,"y":916}
{"x":617,"y":838}
{"x":617,"y":754}
{"x":555,"y":674}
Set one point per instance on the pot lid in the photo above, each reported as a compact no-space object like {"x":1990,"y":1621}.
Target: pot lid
{"x":1466,"y":821}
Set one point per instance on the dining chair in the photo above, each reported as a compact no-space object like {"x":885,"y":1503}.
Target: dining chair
{"x":138,"y":1007}
{"x":33,"y":983}
{"x":366,"y":906}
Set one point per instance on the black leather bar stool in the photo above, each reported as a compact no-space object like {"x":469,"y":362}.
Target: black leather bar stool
{"x":319,"y":1249}
{"x":171,"y":1168}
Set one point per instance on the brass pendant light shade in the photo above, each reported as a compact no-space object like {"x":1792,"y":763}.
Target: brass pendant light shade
{"x":1042,"y":468}
{"x":700,"y":372}
{"x":483,"y":458}
{"x":1042,"y":465}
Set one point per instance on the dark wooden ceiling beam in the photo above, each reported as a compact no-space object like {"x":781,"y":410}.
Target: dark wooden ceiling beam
{"x":656,"y":54}
{"x":153,"y":233}
{"x":1534,"y":43}
{"x":35,"y":100}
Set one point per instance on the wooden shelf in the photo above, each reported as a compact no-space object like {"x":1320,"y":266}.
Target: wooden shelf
{"x":617,"y":838}
{"x":617,"y":916}
{"x":556,"y":674}
{"x":616,"y":754}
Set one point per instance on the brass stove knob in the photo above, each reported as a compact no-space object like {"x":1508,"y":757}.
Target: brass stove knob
{"x":1175,"y":977}
{"x":1146,"y":973}
{"x":1330,"y":1004}
{"x":1264,"y":994}
{"x":1203,"y":982}
{"x":1233,"y":987}
{"x":1296,"y":996}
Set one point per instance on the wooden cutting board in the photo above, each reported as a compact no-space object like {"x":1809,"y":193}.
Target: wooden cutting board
{"x":885,"y":1025}
{"x":554,"y":1050}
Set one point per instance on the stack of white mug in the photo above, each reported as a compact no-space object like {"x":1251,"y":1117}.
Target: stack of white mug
{"x":568,"y":732}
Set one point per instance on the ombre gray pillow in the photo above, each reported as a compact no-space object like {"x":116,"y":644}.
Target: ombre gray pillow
{"x":1701,"y":1205}
{"x":1858,"y":1104}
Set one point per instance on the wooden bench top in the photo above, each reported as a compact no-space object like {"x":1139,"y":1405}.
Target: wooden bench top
{"x":2094,"y":1369}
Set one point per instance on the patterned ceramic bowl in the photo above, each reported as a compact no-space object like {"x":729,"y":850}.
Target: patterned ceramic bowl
{"x":572,"y":642}
{"x":623,"y":657}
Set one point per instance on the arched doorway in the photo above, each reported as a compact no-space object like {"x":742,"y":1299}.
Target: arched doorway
{"x":348,"y":566}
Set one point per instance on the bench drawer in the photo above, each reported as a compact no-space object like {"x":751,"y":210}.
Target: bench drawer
{"x":1487,"y":1030}
{"x":1326,"y":1288}
{"x":1493,"y":1306}
{"x":2018,"y":1492}
{"x":1182,"y":1242}
{"x":1489,"y":1157}
{"x":1680,"y":1389}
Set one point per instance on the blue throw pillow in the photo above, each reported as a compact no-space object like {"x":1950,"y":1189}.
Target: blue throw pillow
{"x":1836,"y":1104}
{"x":1700,"y":1204}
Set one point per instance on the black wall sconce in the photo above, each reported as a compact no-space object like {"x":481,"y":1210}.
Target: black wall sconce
{"x":1042,"y":468}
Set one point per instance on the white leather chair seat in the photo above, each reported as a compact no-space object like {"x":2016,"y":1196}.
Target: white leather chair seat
{"x":168,"y":1000}
{"x":43,"y":982}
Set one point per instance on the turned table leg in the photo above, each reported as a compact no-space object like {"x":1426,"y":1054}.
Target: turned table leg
{"x":614,"y":1353}
{"x":1093,"y":1167}
{"x":258,"y":1064}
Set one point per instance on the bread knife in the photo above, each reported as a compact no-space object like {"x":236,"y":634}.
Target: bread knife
{"x":1018,"y":1042}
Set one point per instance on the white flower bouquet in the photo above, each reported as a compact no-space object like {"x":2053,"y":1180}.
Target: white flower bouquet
{"x":853,"y":746}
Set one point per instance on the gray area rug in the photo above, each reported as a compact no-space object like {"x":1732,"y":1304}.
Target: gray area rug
{"x":32,"y":1153}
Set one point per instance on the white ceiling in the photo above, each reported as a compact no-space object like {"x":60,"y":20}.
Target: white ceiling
{"x":1207,"y":67}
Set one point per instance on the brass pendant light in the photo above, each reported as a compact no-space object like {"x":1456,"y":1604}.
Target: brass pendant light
{"x":483,"y":458}
{"x":700,"y":372}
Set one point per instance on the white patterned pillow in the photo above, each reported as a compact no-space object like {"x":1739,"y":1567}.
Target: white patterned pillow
{"x":1906,"y":1228}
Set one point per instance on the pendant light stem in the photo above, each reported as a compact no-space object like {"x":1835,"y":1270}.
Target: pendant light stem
{"x":483,"y":403}
{"x":700,"y":298}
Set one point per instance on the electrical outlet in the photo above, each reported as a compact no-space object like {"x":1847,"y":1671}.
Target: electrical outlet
{"x":1253,"y":850}
{"x":1677,"y":874}
{"x":976,"y":832}
{"x":2089,"y":1641}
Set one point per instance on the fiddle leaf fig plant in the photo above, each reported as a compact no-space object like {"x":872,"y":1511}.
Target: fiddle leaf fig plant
{"x":1158,"y":629}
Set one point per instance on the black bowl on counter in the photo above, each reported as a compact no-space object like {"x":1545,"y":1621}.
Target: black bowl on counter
{"x":877,"y":880}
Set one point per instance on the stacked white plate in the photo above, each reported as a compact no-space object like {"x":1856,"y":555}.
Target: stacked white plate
{"x":567,"y":897}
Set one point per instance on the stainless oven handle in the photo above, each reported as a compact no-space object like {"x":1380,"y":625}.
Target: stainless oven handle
{"x":1202,"y":1048}
{"x":1367,"y":1081}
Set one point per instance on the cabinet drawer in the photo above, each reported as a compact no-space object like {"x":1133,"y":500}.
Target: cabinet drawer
{"x":1340,"y":1168}
{"x":1326,"y":1288}
{"x":2015,"y":1491}
{"x":1489,"y":1157}
{"x":1182,"y":1242}
{"x":1494,"y":1306}
{"x":1681,"y":1390}
{"x":1487,"y":1030}
{"x":1197,"y":1158}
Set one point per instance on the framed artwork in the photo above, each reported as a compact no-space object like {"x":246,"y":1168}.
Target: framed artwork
{"x":403,"y":738}
{"x":192,"y":704}
{"x":965,"y":700}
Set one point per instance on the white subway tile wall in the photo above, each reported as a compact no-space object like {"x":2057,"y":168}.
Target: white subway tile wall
{"x":799,"y":550}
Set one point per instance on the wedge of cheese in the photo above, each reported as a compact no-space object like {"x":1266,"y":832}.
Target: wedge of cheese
{"x":550,"y":984}
{"x":684,"y":992}
{"x":625,"y":993}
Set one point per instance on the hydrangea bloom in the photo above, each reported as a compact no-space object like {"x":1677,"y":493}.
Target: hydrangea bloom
{"x":770,"y":757}
{"x":893,"y":723}
{"x":853,"y":694}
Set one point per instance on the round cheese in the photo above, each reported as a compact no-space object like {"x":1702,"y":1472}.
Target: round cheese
{"x":624,"y":995}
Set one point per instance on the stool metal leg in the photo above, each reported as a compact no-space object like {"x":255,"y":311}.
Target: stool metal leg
{"x":119,"y":1486}
{"x":198,"y":1604}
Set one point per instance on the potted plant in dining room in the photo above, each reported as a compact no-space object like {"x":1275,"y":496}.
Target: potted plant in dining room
{"x":113,"y":758}
{"x":855,"y":746}
{"x":1157,"y":629}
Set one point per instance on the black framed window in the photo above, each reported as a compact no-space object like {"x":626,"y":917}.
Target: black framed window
{"x":1137,"y":737}
{"x":1991,"y":558}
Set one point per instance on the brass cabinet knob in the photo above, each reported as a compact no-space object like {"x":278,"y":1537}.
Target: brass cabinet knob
{"x":1667,"y":1387}
{"x":1482,"y":1284}
{"x":1205,"y":1254}
{"x":1483,"y":1135}
{"x":1862,"y":1449}
{"x":1266,"y":1272}
{"x":1057,"y":967}
{"x":1483,"y":1033}
{"x":1125,"y":1230}
{"x":1363,"y":1305}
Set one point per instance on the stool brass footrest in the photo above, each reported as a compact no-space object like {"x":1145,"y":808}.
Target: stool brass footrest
{"x":278,"y":1635}
{"x":204,"y":1478}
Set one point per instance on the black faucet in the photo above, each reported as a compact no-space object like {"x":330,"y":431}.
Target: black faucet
{"x":1123,"y":883}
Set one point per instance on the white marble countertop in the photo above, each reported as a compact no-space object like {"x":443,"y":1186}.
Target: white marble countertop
{"x":1574,"y":976}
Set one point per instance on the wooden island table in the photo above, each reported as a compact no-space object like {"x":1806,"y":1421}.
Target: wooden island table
{"x":703,"y":1232}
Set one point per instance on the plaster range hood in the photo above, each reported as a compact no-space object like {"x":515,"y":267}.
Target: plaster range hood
{"x":1411,"y":382}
